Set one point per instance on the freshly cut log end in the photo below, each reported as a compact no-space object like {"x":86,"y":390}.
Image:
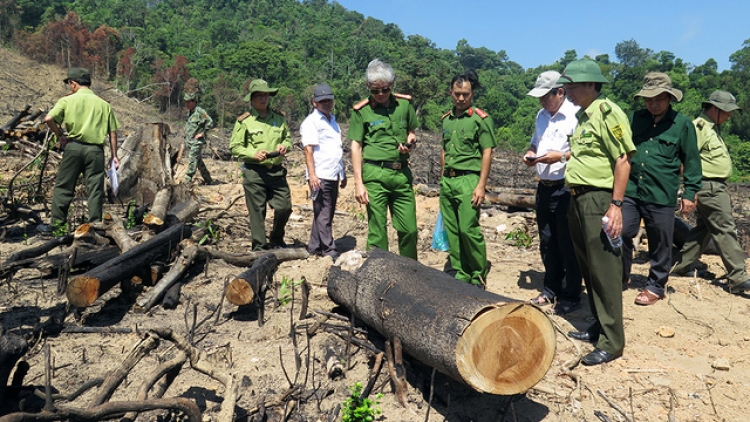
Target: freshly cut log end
{"x":152,"y":220}
{"x":82,"y":231}
{"x":239,"y":292}
{"x":83,"y":291}
{"x":528,"y":347}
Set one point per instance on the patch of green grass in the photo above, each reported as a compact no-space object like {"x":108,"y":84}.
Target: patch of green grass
{"x":285,"y":290}
{"x":519,"y":237}
{"x":359,"y":409}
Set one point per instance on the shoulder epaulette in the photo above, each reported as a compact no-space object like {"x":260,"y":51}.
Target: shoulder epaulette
{"x":700,"y":124}
{"x":481,"y":113}
{"x":279,"y":112}
{"x":402,"y":96}
{"x":446,"y":115}
{"x":361,"y":104}
{"x":243,"y":117}
{"x":605,"y":108}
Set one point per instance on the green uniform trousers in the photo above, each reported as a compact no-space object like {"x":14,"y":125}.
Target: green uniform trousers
{"x":267,"y":186}
{"x":715,"y":221}
{"x":468,"y":252}
{"x":391,"y":189}
{"x":194,"y":149}
{"x":601,"y":267}
{"x":79,"y":158}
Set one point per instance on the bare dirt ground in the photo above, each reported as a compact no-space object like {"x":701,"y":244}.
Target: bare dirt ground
{"x":702,"y":373}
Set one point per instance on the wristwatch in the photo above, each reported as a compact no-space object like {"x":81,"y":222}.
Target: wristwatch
{"x":617,"y":203}
{"x":564,"y":157}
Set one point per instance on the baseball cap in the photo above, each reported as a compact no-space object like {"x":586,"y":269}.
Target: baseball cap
{"x":654,"y":83}
{"x":259,"y":85}
{"x":77,"y":73}
{"x":322,"y":92}
{"x":582,"y":71}
{"x":722,"y":100}
{"x":545,"y":82}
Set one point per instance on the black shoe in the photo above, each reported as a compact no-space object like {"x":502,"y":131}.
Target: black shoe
{"x":740,"y":289}
{"x":597,"y":357}
{"x":584,"y":336}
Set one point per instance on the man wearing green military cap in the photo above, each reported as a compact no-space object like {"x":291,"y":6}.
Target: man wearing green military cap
{"x":260,"y":140}
{"x":714,"y":208}
{"x":597,"y":174}
{"x":197,"y":124}
{"x":88,"y":120}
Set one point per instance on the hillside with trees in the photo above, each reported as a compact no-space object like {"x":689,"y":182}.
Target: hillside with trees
{"x":151,"y":49}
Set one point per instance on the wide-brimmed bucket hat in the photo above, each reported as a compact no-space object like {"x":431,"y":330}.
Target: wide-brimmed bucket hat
{"x":723,"y":101}
{"x":582,"y":71}
{"x":259,"y":85}
{"x":654,"y":83}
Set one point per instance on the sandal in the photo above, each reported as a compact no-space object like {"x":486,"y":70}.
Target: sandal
{"x":564,"y":307}
{"x":646,"y":297}
{"x":541,"y":300}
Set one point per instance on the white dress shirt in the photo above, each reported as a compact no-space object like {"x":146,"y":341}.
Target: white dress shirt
{"x":551,"y":134}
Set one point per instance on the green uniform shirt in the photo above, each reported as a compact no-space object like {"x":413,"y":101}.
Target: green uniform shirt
{"x":380,"y":129}
{"x":252,"y":134}
{"x":661,"y":149}
{"x":86,"y":117}
{"x":465,"y":137}
{"x":602,"y":135}
{"x":197,"y":122}
{"x":715,"y":158}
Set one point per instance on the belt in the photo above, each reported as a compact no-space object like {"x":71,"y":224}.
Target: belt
{"x":75,"y":141}
{"x":454,"y":172}
{"x":263,"y":167}
{"x":714,"y":179}
{"x":393,"y":165}
{"x":580,"y":190}
{"x":552,"y":182}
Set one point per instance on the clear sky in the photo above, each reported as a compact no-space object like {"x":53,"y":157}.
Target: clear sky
{"x":535,"y":33}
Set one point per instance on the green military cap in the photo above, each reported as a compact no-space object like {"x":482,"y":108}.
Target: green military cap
{"x":654,"y":83}
{"x":190,"y":96}
{"x":77,"y":73}
{"x":582,"y":71}
{"x":722,"y":100}
{"x":259,"y":85}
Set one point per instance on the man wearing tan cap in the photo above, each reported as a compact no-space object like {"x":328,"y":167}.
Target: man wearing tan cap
{"x":548,"y":153}
{"x":714,"y":208}
{"x":666,"y":149}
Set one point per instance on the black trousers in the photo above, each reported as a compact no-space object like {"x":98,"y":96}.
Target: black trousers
{"x":562,"y":277}
{"x":324,"y":206}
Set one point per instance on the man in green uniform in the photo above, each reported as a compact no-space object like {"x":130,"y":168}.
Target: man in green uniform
{"x":260,"y":140}
{"x":715,"y":220}
{"x":198,"y":123}
{"x":382,"y":130}
{"x":597,"y":174}
{"x":468,"y":139}
{"x":667,"y":152}
{"x":88,"y":121}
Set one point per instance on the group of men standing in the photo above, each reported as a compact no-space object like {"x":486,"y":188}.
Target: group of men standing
{"x":601,"y":172}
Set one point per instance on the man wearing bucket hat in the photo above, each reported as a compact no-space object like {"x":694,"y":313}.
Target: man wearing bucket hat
{"x":197,"y":124}
{"x":260,"y":140}
{"x":667,"y":151}
{"x":597,"y":174}
{"x":321,"y":138}
{"x":714,"y":209}
{"x":548,"y":153}
{"x":88,"y":121}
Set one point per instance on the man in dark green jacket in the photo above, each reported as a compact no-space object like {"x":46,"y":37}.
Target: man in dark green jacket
{"x":666,"y":147}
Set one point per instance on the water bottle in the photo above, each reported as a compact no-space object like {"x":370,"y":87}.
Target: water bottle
{"x":314,"y":194}
{"x":615,"y":242}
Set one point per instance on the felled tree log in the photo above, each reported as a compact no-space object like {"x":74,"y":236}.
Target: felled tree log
{"x":491,"y":343}
{"x":252,"y":284}
{"x":12,"y":348}
{"x":30,"y":253}
{"x":184,"y":211}
{"x":181,"y":265}
{"x":246,"y":259}
{"x":12,"y":123}
{"x":155,"y":218}
{"x":511,"y":200}
{"x":119,"y":234}
{"x":84,"y":289}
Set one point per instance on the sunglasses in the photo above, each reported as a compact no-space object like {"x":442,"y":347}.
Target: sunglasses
{"x":380,"y":91}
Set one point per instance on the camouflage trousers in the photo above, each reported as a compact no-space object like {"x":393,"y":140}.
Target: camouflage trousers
{"x":194,"y":151}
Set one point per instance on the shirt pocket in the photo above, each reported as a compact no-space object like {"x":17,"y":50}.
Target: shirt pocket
{"x":666,"y":147}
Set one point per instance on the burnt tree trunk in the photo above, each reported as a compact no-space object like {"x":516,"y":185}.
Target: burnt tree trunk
{"x":512,"y":200}
{"x":12,"y":348}
{"x":84,"y":289}
{"x":492,"y":343}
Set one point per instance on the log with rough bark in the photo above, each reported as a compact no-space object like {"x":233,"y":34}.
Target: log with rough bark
{"x":84,"y":289}
{"x":252,"y":283}
{"x":12,"y":348}
{"x":511,"y":200}
{"x":155,"y":219}
{"x":12,"y":123}
{"x":492,"y":343}
{"x":181,"y":265}
{"x":145,"y":166}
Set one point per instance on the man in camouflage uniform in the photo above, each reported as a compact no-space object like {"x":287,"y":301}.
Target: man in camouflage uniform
{"x":198,"y":123}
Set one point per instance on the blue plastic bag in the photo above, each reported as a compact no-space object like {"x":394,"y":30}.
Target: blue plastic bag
{"x":439,"y":235}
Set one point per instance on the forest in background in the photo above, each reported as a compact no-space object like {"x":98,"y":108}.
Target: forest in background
{"x":154,"y":50}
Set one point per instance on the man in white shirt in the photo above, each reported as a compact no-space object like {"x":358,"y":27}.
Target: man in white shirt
{"x":548,"y":152}
{"x":321,"y":137}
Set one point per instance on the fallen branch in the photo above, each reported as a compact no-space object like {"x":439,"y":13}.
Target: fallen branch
{"x":109,"y":411}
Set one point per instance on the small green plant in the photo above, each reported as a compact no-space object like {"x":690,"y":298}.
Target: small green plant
{"x":357,"y":213}
{"x":285,"y":290}
{"x":25,"y":238}
{"x":60,"y":229}
{"x":131,"y":221}
{"x":519,"y":237}
{"x":212,"y":233}
{"x":359,"y":409}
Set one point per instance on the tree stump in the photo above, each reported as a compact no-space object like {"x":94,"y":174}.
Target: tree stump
{"x":489,"y":342}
